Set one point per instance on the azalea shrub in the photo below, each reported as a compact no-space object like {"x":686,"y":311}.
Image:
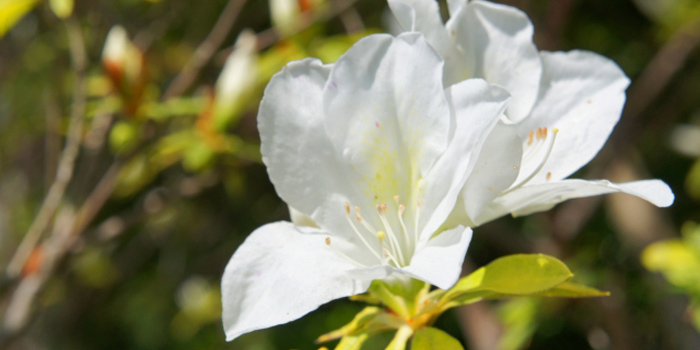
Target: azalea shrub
{"x":400,"y":174}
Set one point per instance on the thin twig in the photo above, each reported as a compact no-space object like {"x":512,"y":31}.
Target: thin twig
{"x":205,"y":50}
{"x":70,"y":153}
{"x":70,"y":225}
{"x":352,"y":21}
{"x":52,"y":139}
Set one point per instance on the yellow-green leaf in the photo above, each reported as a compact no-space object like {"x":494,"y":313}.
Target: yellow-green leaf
{"x":11,"y":11}
{"x":401,"y":338}
{"x":572,"y":290}
{"x":430,"y":338}
{"x":519,"y":274}
{"x":402,"y":296}
{"x":352,"y":342}
{"x":360,"y":321}
{"x":62,"y":8}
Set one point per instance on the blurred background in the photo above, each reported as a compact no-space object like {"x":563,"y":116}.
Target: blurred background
{"x":130,"y":172}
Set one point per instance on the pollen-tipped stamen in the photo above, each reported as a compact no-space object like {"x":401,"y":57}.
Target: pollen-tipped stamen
{"x":357,"y":232}
{"x":541,"y":135}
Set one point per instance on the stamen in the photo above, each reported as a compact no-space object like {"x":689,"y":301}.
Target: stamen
{"x":541,"y":134}
{"x":402,"y":209}
{"x":530,"y":137}
{"x":328,"y":243}
{"x":380,"y":236}
{"x":357,"y":232}
{"x":392,"y":258}
{"x":347,"y":208}
{"x":396,"y":247}
{"x":419,"y":204}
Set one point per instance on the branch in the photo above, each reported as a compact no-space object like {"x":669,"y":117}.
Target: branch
{"x":66,"y":165}
{"x":205,"y":50}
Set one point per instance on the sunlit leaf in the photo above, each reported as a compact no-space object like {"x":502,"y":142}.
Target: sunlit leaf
{"x":11,"y":11}
{"x":370,"y":320}
{"x":677,"y":259}
{"x":400,"y":297}
{"x":62,"y":8}
{"x":520,"y":274}
{"x":359,"y":322}
{"x":430,"y":338}
{"x":352,"y":342}
{"x":572,"y":290}
{"x":400,"y":339}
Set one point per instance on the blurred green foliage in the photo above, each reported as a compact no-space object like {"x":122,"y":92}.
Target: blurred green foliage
{"x":145,"y":272}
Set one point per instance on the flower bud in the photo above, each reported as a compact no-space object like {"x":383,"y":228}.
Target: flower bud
{"x":236,"y":81}
{"x":124,"y":64}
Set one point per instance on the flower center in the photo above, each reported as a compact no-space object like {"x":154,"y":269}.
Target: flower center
{"x":384,"y":232}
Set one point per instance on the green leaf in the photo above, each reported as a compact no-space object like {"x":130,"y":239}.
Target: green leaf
{"x":62,"y":8}
{"x":571,"y":290}
{"x":515,"y":275}
{"x":370,"y":320}
{"x":352,"y":342}
{"x":401,"y":296}
{"x":11,"y":11}
{"x":401,"y":338}
{"x":358,"y":322}
{"x":430,"y":338}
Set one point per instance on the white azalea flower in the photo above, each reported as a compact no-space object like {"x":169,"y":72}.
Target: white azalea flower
{"x":564,"y":107}
{"x":375,"y":151}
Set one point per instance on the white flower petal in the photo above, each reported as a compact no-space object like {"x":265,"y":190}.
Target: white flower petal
{"x":541,"y":197}
{"x":453,"y":6}
{"x":439,"y":262}
{"x":582,"y":95}
{"x":385,"y":100}
{"x":301,"y":161}
{"x":280,"y":274}
{"x":300,"y":219}
{"x":424,"y":16}
{"x":495,"y":170}
{"x":388,"y":115}
{"x":477,"y":107}
{"x":500,"y":39}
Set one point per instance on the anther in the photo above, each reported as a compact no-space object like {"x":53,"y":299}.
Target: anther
{"x":328,"y":241}
{"x":402,"y":209}
{"x":358,"y":218}
{"x":357,"y":210}
{"x":347,"y":208}
{"x":530,"y":137}
{"x":549,"y":176}
{"x":381,"y":235}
